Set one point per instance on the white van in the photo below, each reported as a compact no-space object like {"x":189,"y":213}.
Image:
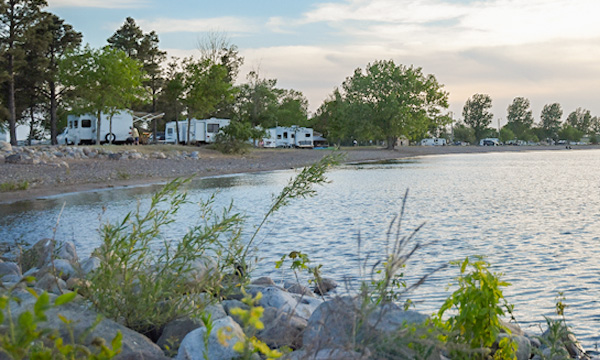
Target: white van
{"x":81,"y":129}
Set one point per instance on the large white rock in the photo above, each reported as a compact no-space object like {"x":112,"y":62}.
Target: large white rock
{"x":296,"y":304}
{"x":193,"y":347}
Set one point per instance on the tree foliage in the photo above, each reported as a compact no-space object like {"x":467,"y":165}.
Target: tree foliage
{"x":260,"y":103}
{"x":520,"y":118}
{"x":16,"y":18}
{"x":105,"y":80}
{"x":550,"y":120}
{"x":580,"y":119}
{"x":386,"y":101}
{"x":477,"y":114}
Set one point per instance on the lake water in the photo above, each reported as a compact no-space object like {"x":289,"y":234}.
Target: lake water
{"x":535,"y":215}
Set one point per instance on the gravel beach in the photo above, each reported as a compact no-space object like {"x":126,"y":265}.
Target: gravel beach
{"x":86,"y":174}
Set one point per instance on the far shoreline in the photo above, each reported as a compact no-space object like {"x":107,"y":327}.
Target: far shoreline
{"x":92,"y":175}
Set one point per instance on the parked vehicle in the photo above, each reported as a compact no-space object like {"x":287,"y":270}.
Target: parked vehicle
{"x":489,"y":142}
{"x":288,"y":137}
{"x":433,"y":142}
{"x":201,"y":131}
{"x":81,"y":129}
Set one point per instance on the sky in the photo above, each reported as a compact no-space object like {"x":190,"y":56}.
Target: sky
{"x":544,"y":50}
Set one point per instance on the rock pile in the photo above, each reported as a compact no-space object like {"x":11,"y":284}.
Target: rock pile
{"x":58,"y":155}
{"x":294,"y":317}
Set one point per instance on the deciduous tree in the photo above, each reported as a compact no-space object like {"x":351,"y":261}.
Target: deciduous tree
{"x":550,"y":120}
{"x":520,"y":118}
{"x":392,"y":100}
{"x":105,"y":80}
{"x":580,"y":119}
{"x":477,"y":114}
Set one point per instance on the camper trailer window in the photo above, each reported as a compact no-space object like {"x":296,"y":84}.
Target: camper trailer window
{"x":279,"y":136}
{"x":170,"y":131}
{"x":75,"y":123}
{"x":307,"y":135}
{"x":86,"y":123}
{"x":285,"y":135}
{"x":212,"y":128}
{"x":293,"y":135}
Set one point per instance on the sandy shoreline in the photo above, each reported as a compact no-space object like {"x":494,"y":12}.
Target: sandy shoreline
{"x":89,"y":174}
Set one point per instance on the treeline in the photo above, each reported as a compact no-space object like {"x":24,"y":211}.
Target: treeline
{"x":46,"y":72}
{"x":521,"y":126}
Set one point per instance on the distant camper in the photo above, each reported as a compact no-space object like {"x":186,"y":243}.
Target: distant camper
{"x":489,"y":142}
{"x":289,"y":137}
{"x":201,"y":131}
{"x":81,"y":129}
{"x":433,"y":142}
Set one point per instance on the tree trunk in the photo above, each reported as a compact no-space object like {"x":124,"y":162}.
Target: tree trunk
{"x":391,"y":142}
{"x":176,"y":125}
{"x":98,"y":126}
{"x":12,"y":118}
{"x":189,"y":122}
{"x":53,"y":115}
{"x":31,"y":125}
{"x":110,"y":138}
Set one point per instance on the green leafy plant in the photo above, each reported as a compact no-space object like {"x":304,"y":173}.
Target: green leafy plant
{"x":478,"y":303}
{"x":251,"y":320}
{"x":14,"y":186}
{"x":299,"y":263}
{"x":557,"y":335}
{"x":26,"y":339}
{"x":135,"y":275}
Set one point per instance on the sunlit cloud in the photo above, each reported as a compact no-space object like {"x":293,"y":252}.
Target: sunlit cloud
{"x":227,"y":24}
{"x":106,"y":4}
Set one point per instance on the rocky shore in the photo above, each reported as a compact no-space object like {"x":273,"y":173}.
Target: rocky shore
{"x":310,"y":326}
{"x":50,"y":170}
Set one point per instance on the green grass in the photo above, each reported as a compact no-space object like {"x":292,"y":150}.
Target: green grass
{"x":14,"y":186}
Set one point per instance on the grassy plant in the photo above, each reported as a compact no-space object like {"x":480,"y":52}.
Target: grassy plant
{"x":557,"y":336}
{"x":145,"y":288}
{"x":123,"y":175}
{"x":300,"y":262}
{"x":25,"y":339}
{"x":14,"y":186}
{"x":478,"y":303}
{"x":300,"y":186}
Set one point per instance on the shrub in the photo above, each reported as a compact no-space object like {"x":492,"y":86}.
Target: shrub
{"x":145,"y":288}
{"x":479,"y":303}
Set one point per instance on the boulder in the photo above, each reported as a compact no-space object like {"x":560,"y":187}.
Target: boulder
{"x":324,"y":285}
{"x":39,"y":255}
{"x":281,"y":329}
{"x":134,"y":345}
{"x":90,"y":264}
{"x":51,"y":284}
{"x":296,"y":288}
{"x":340,"y":322}
{"x":5,"y":146}
{"x":523,"y":345}
{"x":9,"y":269}
{"x":193,"y":347}
{"x":61,"y":268}
{"x":263,"y":281}
{"x":328,"y":354}
{"x":295,"y":304}
{"x":67,"y":251}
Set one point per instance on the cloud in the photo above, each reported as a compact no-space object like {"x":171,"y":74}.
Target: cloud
{"x":229,"y":24}
{"x":106,"y":4}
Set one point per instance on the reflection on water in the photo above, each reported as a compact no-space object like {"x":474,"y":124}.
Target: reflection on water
{"x":535,"y":215}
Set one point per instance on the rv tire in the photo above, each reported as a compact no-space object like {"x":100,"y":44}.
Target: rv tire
{"x":110,"y":138}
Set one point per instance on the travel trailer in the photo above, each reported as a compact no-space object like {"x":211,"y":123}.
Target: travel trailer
{"x":201,"y":131}
{"x":433,"y":142}
{"x":81,"y":129}
{"x":293,"y":136}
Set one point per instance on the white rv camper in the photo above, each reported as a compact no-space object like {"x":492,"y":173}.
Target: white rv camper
{"x":201,"y":131}
{"x":81,"y":129}
{"x":433,"y":142}
{"x":293,"y":136}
